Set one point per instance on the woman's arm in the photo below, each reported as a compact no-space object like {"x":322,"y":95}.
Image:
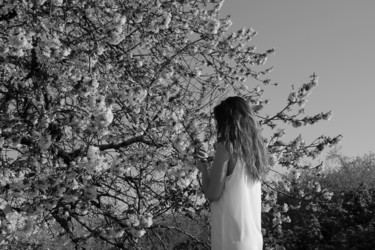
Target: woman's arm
{"x":203,"y":167}
{"x":213,"y":181}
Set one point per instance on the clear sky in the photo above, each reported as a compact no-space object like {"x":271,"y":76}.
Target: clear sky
{"x":336,"y":40}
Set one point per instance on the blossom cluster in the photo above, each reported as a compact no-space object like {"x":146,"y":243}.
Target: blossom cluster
{"x":139,"y":223}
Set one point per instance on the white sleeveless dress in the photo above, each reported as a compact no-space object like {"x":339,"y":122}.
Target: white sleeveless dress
{"x":236,"y":216}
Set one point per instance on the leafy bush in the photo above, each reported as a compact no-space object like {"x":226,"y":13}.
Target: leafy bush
{"x":346,"y":173}
{"x":342,"y":217}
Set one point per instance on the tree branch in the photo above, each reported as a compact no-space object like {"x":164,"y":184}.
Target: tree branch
{"x":129,"y":142}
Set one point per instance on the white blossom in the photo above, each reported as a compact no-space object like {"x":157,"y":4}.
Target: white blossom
{"x":317,"y":187}
{"x":122,"y":20}
{"x":167,"y":20}
{"x":1,"y":142}
{"x":285,"y":208}
{"x":297,"y":174}
{"x":57,"y":2}
{"x":106,"y":117}
{"x":138,"y":233}
{"x":214,"y":26}
{"x":93,"y":153}
{"x":146,"y":220}
{"x":100,"y":50}
{"x":292,"y":97}
{"x":66,"y":52}
{"x":328,"y":195}
{"x":266,"y":208}
{"x":41,"y":2}
{"x":273,"y":160}
{"x":133,"y":220}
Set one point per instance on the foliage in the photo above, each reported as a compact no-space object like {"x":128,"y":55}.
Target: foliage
{"x":349,"y":173}
{"x":101,"y":103}
{"x":321,"y":218}
{"x":349,"y":221}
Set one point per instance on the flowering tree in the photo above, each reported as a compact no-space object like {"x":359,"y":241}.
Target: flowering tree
{"x":101,"y":106}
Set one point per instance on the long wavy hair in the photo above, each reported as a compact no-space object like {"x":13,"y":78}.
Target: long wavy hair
{"x":238,"y":129}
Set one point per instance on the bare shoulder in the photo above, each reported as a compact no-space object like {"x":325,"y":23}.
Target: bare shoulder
{"x":224,"y":155}
{"x":222,"y":151}
{"x":220,"y":145}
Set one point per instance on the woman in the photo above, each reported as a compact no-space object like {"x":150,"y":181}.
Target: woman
{"x":233,"y":185}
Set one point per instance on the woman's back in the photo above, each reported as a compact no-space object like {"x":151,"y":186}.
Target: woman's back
{"x":236,"y":215}
{"x":236,"y":199}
